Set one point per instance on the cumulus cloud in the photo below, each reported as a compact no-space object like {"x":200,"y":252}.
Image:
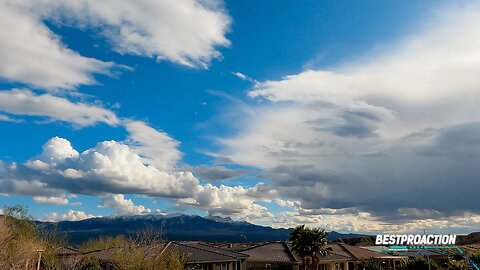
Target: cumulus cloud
{"x":51,"y":200}
{"x":71,"y":215}
{"x":114,"y":168}
{"x":109,"y":167}
{"x":28,"y":103}
{"x":232,"y":201}
{"x":395,"y":129}
{"x":122,"y":206}
{"x":156,"y":147}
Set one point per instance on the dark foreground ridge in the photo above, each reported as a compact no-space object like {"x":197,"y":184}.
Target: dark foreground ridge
{"x":174,"y":228}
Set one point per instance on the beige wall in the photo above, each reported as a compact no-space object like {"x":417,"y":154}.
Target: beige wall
{"x":332,"y":265}
{"x":217,"y":266}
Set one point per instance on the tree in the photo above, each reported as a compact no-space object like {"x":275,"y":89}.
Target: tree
{"x":308,"y":242}
{"x":18,"y":239}
{"x":18,"y":217}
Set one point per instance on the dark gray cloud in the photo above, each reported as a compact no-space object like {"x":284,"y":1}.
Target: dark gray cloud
{"x":218,"y":173}
{"x":418,"y":177}
{"x":351,"y":123}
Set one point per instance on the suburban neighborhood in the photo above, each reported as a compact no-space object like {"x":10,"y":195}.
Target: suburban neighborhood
{"x":25,"y":246}
{"x":239,"y":135}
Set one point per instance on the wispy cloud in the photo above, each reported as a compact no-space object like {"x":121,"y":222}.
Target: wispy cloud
{"x":27,"y":103}
{"x":244,"y":77}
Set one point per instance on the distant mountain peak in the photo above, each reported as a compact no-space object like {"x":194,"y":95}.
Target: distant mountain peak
{"x":221,"y":219}
{"x":227,"y":220}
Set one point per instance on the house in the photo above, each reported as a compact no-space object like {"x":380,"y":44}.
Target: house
{"x":272,"y":255}
{"x":341,"y":256}
{"x":204,"y":257}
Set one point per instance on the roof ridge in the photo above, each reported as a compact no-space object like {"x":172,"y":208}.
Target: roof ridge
{"x":373,"y":253}
{"x":259,"y":245}
{"x":344,"y":246}
{"x":290,"y":251}
{"x":338,"y":254}
{"x":212,"y":251}
{"x":223,"y":249}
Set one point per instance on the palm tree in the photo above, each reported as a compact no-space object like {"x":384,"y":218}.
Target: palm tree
{"x":308,"y":242}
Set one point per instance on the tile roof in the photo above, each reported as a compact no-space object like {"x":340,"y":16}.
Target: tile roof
{"x":362,"y":253}
{"x":228,"y":252}
{"x":277,"y":252}
{"x":200,"y":253}
{"x":355,"y":253}
{"x":332,"y":256}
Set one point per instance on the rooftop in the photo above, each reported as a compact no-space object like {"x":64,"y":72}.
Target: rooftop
{"x":201,"y":253}
{"x":278,"y":252}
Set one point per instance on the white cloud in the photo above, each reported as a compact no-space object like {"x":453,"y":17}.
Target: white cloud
{"x":71,"y":215}
{"x":365,"y":222}
{"x":185,"y":32}
{"x":110,"y":167}
{"x":232,"y":201}
{"x":157,"y":147}
{"x":34,"y":55}
{"x":395,"y":129}
{"x":122,"y":206}
{"x":7,"y":118}
{"x":244,"y":77}
{"x":51,"y":200}
{"x":26,"y":102}
{"x":286,"y":203}
{"x":113,"y":168}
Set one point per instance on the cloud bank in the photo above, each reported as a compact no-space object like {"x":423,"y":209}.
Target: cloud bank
{"x":396,"y":129}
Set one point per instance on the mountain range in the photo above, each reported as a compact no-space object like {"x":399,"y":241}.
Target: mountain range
{"x":174,"y":227}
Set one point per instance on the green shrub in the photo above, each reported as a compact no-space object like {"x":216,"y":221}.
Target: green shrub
{"x":88,"y":264}
{"x":417,"y":264}
{"x":475,"y":257}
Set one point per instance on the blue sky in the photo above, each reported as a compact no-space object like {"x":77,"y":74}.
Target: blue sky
{"x":274,"y":112}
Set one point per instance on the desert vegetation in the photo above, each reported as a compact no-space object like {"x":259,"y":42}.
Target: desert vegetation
{"x":20,"y":243}
{"x":26,"y":247}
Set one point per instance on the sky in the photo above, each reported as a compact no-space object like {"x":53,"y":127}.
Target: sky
{"x":354,"y":116}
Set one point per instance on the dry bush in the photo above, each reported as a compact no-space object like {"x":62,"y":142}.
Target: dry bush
{"x":21,"y":242}
{"x":103,"y":243}
{"x":17,"y":251}
{"x":139,"y":252}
